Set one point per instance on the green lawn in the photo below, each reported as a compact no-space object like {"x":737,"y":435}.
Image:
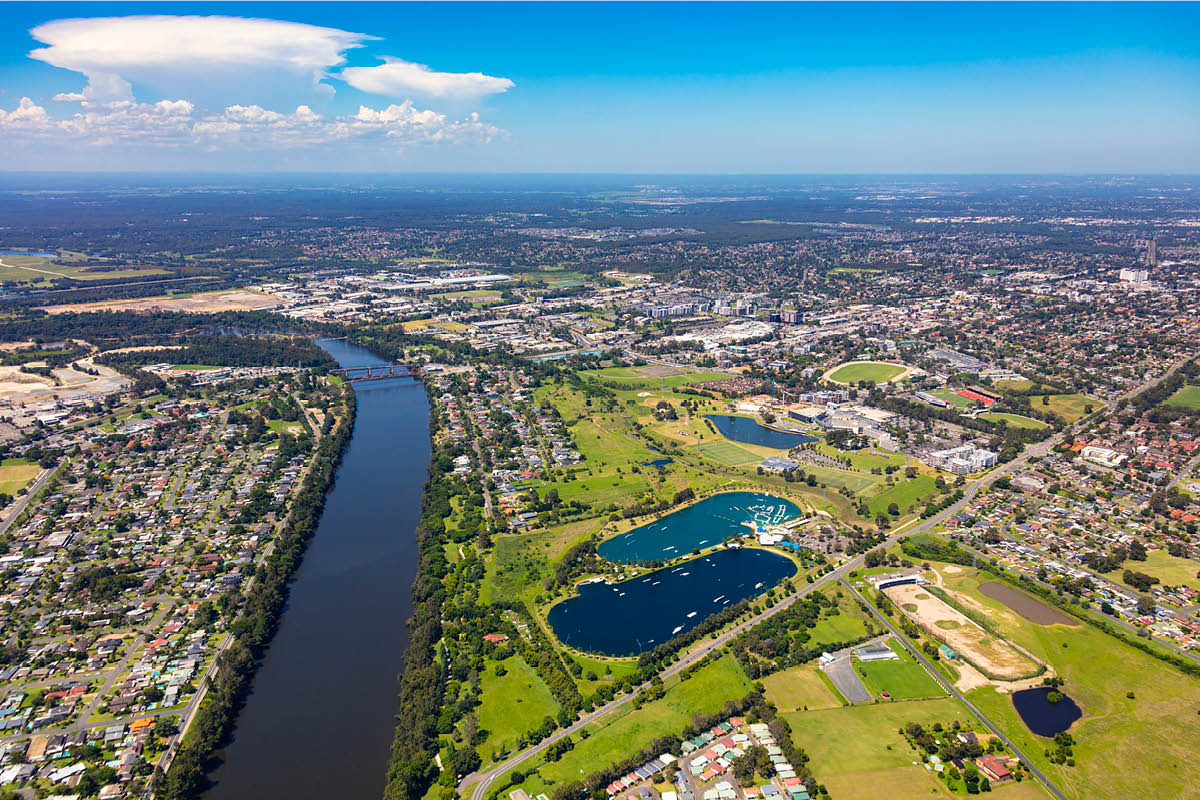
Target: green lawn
{"x":512,"y":704}
{"x":1186,"y":397}
{"x":857,"y":738}
{"x":625,"y":734}
{"x":728,"y":453}
{"x":875,"y":371}
{"x":1014,"y":420}
{"x":645,"y":377}
{"x":1171,"y":570}
{"x":16,"y":473}
{"x":1012,"y":386}
{"x":904,"y":494}
{"x":1068,"y":406}
{"x":903,"y":680}
{"x":800,"y":688}
{"x":849,"y":624}
{"x":195,"y":367}
{"x":855,"y":481}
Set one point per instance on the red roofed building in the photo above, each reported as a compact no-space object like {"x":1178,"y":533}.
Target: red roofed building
{"x":995,"y":769}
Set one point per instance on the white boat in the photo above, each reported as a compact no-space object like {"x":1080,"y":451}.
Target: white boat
{"x":685,"y":573}
{"x":691,"y":615}
{"x":677,"y":630}
{"x":715,"y":599}
{"x":758,"y":585}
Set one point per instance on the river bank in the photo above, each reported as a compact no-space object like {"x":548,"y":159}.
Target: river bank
{"x":319,"y":715}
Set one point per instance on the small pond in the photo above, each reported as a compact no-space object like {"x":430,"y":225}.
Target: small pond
{"x":749,"y":431}
{"x":627,"y":618}
{"x":1043,"y":717}
{"x":703,"y":524}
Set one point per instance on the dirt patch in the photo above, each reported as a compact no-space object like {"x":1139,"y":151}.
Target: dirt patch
{"x":951,"y":569}
{"x":206,"y":303}
{"x":969,"y":678}
{"x":1023,"y":604}
{"x":658,"y":371}
{"x":993,"y":656}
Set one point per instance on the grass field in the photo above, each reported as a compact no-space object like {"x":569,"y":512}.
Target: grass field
{"x":651,"y":377}
{"x":1186,"y":397}
{"x":1014,"y":420}
{"x":1012,"y":386}
{"x":280,"y":426}
{"x":16,"y":473}
{"x":864,"y":741}
{"x":35,"y":269}
{"x":875,"y":371}
{"x":195,"y":367}
{"x":1100,"y":672}
{"x":799,"y":689}
{"x":1068,"y":406}
{"x":512,"y":704}
{"x":728,"y":453}
{"x":849,"y":624}
{"x":904,"y":494}
{"x":1171,"y":570}
{"x":613,"y":739}
{"x":903,"y":680}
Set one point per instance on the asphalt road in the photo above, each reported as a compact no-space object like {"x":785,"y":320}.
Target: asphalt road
{"x":949,"y":687}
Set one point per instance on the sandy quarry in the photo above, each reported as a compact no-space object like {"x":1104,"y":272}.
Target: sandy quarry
{"x":204,"y":303}
{"x":21,"y":388}
{"x":992,"y":655}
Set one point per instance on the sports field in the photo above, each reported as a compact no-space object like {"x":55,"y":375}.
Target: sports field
{"x":875,"y":371}
{"x":728,"y":453}
{"x":904,"y":679}
{"x":1014,"y":420}
{"x":953,"y":398}
{"x":1186,"y":397}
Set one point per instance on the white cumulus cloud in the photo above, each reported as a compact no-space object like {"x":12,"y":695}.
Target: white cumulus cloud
{"x":397,"y":78}
{"x":113,"y":51}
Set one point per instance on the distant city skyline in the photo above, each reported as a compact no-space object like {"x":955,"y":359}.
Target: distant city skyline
{"x":623,"y":88}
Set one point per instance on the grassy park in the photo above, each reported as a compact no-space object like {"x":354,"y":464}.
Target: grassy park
{"x":803,"y":688}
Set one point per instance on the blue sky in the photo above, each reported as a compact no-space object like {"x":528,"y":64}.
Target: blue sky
{"x":580,"y":87}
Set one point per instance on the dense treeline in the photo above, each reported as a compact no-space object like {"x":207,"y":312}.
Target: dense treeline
{"x":782,"y":640}
{"x":254,"y":627}
{"x":126,"y":328}
{"x":231,"y":351}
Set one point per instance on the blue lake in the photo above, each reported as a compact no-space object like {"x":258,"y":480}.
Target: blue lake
{"x":1043,"y":717}
{"x":749,"y":431}
{"x":636,"y":615}
{"x":40,"y":253}
{"x":703,"y":524}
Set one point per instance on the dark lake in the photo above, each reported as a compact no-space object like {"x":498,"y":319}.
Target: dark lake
{"x":1043,"y":717}
{"x":636,"y":615}
{"x":749,"y":431}
{"x":319,"y":721}
{"x":703,"y":524}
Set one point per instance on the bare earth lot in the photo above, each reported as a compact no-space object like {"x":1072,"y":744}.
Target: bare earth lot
{"x":994,"y":656}
{"x":1025,"y":605}
{"x":205,"y":303}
